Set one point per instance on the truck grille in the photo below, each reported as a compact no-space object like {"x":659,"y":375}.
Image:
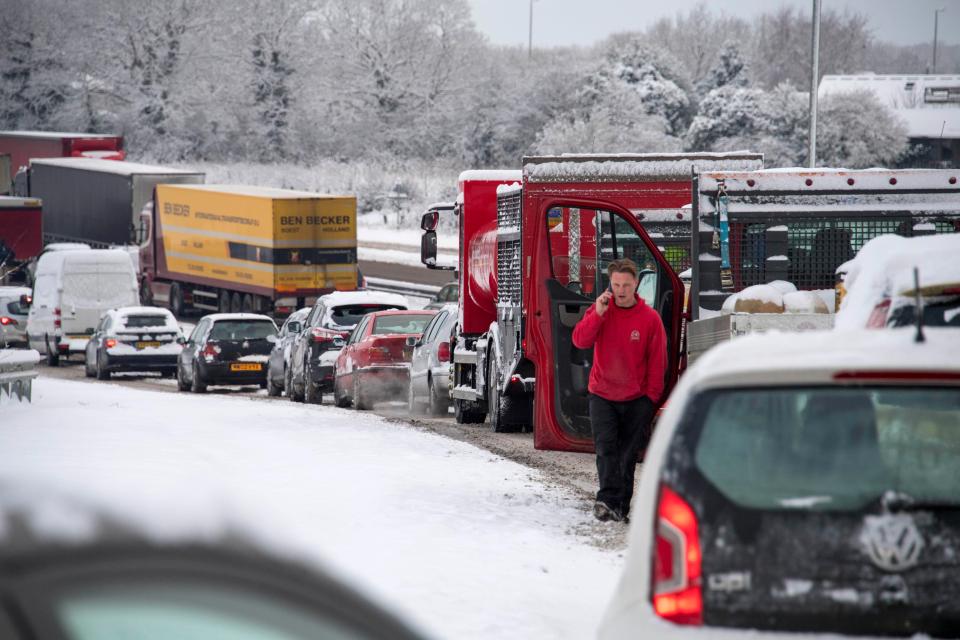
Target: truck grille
{"x":508,"y":272}
{"x":508,"y":210}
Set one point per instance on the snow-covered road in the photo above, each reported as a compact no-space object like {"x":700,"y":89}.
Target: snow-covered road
{"x":467,"y":544}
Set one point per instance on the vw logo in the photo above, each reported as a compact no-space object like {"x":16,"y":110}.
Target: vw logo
{"x":892,"y":541}
{"x":245,"y":345}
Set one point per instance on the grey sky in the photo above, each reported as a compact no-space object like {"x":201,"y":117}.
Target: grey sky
{"x":584,"y":22}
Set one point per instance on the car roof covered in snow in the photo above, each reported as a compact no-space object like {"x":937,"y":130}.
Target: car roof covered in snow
{"x":114,"y":166}
{"x":814,"y":357}
{"x":7,"y":291}
{"x":343,"y":298}
{"x":51,"y":260}
{"x":218,"y":317}
{"x":123,"y":312}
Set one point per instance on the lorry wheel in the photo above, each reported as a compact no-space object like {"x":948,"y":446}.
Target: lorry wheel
{"x":246,"y":303}
{"x":235,"y":303}
{"x":466,"y":414}
{"x":176,"y":300}
{"x":224,"y":301}
{"x":500,"y":409}
{"x":53,"y":358}
{"x":437,"y":406}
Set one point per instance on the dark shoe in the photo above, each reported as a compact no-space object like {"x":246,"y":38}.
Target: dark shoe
{"x":603,"y":512}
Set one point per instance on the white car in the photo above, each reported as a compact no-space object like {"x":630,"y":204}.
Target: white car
{"x":14,"y":308}
{"x":430,"y":365}
{"x":802,"y":483}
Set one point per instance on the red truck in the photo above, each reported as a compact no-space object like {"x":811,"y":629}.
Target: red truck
{"x":21,"y":236}
{"x":23,"y":145}
{"x":534,"y":249}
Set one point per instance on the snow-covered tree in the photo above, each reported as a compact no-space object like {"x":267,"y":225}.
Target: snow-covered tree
{"x":729,"y":69}
{"x":855,"y":130}
{"x":726,"y":112}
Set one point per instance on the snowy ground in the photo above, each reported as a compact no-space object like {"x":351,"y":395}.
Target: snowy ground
{"x":467,"y":544}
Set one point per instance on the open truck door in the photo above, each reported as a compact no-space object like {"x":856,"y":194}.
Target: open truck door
{"x":583,"y":239}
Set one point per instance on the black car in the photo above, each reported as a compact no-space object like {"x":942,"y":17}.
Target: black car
{"x":227,"y":349}
{"x":136,"y":339}
{"x":113,"y":582}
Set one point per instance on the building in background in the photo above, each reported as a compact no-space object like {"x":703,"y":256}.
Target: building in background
{"x":929,"y":106}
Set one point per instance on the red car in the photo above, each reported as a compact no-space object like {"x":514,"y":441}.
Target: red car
{"x":375,"y":364}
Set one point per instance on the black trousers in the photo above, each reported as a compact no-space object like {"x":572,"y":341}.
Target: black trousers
{"x":620,"y":431}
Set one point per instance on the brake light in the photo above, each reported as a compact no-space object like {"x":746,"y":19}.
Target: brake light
{"x":443,"y":352}
{"x":322,"y":336}
{"x":878,"y":317}
{"x":4,"y":320}
{"x":56,"y":317}
{"x":110,"y":343}
{"x":210,"y":351}
{"x":677,"y":595}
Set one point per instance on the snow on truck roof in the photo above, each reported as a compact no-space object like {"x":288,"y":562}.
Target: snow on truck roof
{"x":491,"y":175}
{"x":260,"y":192}
{"x":766,"y":359}
{"x":634,"y":166}
{"x":113,"y":166}
{"x":833,"y":179}
{"x":56,"y":135}
{"x":11,"y":202}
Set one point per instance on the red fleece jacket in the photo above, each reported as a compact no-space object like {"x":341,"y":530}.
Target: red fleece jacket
{"x":629,"y":351}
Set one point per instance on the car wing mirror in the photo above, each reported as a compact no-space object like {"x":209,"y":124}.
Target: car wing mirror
{"x":272,"y":339}
{"x":26,"y":300}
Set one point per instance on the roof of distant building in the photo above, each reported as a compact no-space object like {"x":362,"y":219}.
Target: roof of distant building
{"x":929,"y":105}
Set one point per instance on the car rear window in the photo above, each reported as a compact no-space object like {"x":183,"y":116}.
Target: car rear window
{"x":242,"y":330}
{"x":139,"y":321}
{"x":830,"y":448}
{"x":350,"y":315}
{"x":943,"y":312}
{"x":401,"y":323}
{"x":17,"y":309}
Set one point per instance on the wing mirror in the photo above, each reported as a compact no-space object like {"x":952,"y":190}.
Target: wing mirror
{"x":294,"y":327}
{"x":26,"y":300}
{"x":272,"y":339}
{"x":430,"y":220}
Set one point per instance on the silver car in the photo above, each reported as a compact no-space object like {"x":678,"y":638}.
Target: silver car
{"x":13,"y":316}
{"x":280,"y":355}
{"x":430,"y":366}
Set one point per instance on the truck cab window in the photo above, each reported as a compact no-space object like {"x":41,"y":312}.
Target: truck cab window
{"x":579,"y":263}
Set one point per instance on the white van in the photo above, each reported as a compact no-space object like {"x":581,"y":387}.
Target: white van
{"x":71,"y":291}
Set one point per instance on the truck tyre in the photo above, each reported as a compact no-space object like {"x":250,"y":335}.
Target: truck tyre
{"x":246,"y":303}
{"x":437,"y":406}
{"x":102,"y":372}
{"x":503,"y":410}
{"x":146,"y":293}
{"x":465,"y":414}
{"x":235,"y":303}
{"x":223,"y":301}
{"x":175,"y":304}
{"x":53,"y":358}
{"x":196,"y":384}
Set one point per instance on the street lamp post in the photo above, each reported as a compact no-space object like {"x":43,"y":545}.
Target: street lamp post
{"x":936,"y":18}
{"x":530,"y":36}
{"x":814,"y":82}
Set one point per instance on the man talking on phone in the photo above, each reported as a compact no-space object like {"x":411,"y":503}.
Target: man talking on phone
{"x":626,"y":381}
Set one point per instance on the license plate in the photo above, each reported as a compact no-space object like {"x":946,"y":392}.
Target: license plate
{"x":246,"y":366}
{"x":145,"y":345}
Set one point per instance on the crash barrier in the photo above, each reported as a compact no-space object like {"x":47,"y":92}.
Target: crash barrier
{"x":403,"y":288}
{"x":752,"y":234}
{"x":18,"y":368}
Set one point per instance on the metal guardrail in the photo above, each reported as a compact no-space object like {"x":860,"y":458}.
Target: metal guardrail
{"x":18,"y":368}
{"x":403,"y":288}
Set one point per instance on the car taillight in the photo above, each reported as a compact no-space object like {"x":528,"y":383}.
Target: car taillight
{"x":323,"y":336}
{"x":210,"y":352}
{"x":443,"y":351}
{"x":56,"y":317}
{"x":4,"y":320}
{"x":110,"y":343}
{"x":677,"y":595}
{"x":878,"y":317}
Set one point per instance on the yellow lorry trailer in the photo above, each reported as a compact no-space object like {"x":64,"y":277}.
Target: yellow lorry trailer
{"x":245,"y":248}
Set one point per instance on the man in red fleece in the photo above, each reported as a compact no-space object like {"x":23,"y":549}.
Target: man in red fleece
{"x":629,"y":363}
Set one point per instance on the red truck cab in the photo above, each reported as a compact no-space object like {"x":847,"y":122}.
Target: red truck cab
{"x":23,"y":145}
{"x":21,"y":235}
